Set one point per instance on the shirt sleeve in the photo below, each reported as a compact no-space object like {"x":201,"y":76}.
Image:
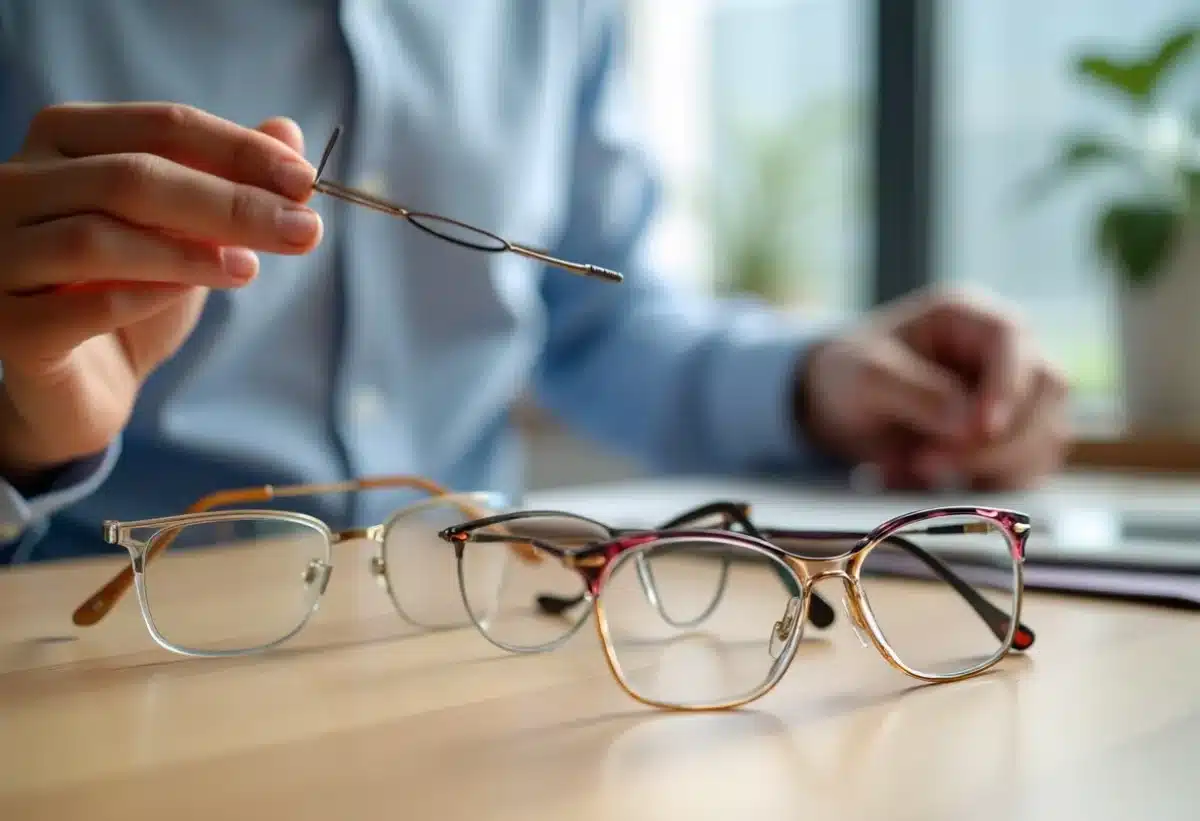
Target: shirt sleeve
{"x":681,"y":381}
{"x":24,"y":518}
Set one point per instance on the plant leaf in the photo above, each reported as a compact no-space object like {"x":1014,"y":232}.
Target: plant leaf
{"x":1139,"y":78}
{"x":1138,"y":238}
{"x":1172,"y":50}
{"x":1116,"y":75}
{"x":1077,"y":154}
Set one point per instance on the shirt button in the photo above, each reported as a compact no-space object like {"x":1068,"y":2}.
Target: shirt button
{"x":9,"y":532}
{"x":368,"y":404}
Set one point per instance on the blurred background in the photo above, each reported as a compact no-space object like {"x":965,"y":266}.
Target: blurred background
{"x":827,"y":155}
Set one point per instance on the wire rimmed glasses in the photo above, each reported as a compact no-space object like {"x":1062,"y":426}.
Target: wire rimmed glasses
{"x":726,"y":653}
{"x":271,"y":567}
{"x":447,"y":229}
{"x":228,"y":582}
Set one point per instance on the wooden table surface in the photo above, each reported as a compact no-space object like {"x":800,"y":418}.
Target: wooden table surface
{"x":360,"y":718}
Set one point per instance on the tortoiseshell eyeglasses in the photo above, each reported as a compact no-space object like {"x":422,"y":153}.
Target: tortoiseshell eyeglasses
{"x":450,"y":230}
{"x":671,"y":643}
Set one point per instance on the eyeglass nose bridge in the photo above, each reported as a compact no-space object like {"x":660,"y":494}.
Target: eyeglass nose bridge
{"x":811,"y":570}
{"x":373,"y":533}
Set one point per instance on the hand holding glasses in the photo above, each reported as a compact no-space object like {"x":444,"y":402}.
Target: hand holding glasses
{"x":657,"y":597}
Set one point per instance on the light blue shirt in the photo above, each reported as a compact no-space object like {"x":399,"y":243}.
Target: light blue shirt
{"x":385,"y":350}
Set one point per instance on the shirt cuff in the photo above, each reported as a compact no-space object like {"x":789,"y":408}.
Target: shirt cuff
{"x":754,"y":412}
{"x":23,"y":519}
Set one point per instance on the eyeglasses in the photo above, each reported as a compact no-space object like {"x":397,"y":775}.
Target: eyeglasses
{"x":274,"y":565}
{"x":537,"y":608}
{"x":450,"y":230}
{"x":279,"y":563}
{"x":722,"y":652}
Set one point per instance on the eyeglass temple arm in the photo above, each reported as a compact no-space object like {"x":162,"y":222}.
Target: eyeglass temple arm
{"x":334,"y":189}
{"x":821,"y":614}
{"x":510,"y":539}
{"x":594,"y":271}
{"x":100,"y":603}
{"x":996,"y":619}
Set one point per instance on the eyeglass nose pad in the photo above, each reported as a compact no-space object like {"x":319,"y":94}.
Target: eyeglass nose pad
{"x":856,"y":622}
{"x":781,"y":633}
{"x":378,"y":570}
{"x":316,"y":575}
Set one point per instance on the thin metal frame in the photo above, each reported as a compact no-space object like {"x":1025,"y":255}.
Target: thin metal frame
{"x":100,"y":603}
{"x":142,"y":551}
{"x":596,"y":563}
{"x":426,"y":222}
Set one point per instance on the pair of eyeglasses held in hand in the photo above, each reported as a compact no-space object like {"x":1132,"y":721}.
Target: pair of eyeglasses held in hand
{"x":697,"y":619}
{"x":445,"y":228}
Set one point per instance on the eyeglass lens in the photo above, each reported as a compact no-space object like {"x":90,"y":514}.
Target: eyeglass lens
{"x":458,"y":233}
{"x":235,"y":585}
{"x":421,"y":569}
{"x":909,"y":616}
{"x":730,"y":655}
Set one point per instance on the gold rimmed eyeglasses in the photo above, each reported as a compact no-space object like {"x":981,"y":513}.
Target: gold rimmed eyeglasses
{"x":697,"y":619}
{"x":450,"y":230}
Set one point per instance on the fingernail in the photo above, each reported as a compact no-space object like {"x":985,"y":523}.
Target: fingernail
{"x":299,"y":226}
{"x":295,"y":179}
{"x":240,"y":264}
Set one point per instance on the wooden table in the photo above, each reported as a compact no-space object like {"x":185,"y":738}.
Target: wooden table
{"x":359,"y":718}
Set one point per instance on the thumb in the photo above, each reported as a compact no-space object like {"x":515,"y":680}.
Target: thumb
{"x":286,"y":131}
{"x":904,"y":388}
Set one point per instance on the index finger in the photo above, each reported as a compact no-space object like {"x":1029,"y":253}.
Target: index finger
{"x":181,"y":133}
{"x":1002,"y":378}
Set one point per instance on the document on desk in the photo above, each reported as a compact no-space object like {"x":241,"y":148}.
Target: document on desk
{"x":1128,"y":538}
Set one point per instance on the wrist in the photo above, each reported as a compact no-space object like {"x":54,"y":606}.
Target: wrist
{"x":29,"y":459}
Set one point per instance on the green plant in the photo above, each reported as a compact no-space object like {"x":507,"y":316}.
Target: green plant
{"x":763,"y":220}
{"x":1138,"y":232}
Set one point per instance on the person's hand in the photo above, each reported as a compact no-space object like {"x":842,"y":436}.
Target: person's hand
{"x":138,"y":209}
{"x":937,"y":389}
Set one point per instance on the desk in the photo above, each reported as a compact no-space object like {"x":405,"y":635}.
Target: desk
{"x":358,"y":718}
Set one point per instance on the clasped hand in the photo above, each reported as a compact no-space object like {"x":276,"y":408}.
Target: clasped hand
{"x":939,"y":389}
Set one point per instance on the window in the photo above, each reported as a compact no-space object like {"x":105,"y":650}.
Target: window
{"x":755,"y":112}
{"x":1007,"y":96}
